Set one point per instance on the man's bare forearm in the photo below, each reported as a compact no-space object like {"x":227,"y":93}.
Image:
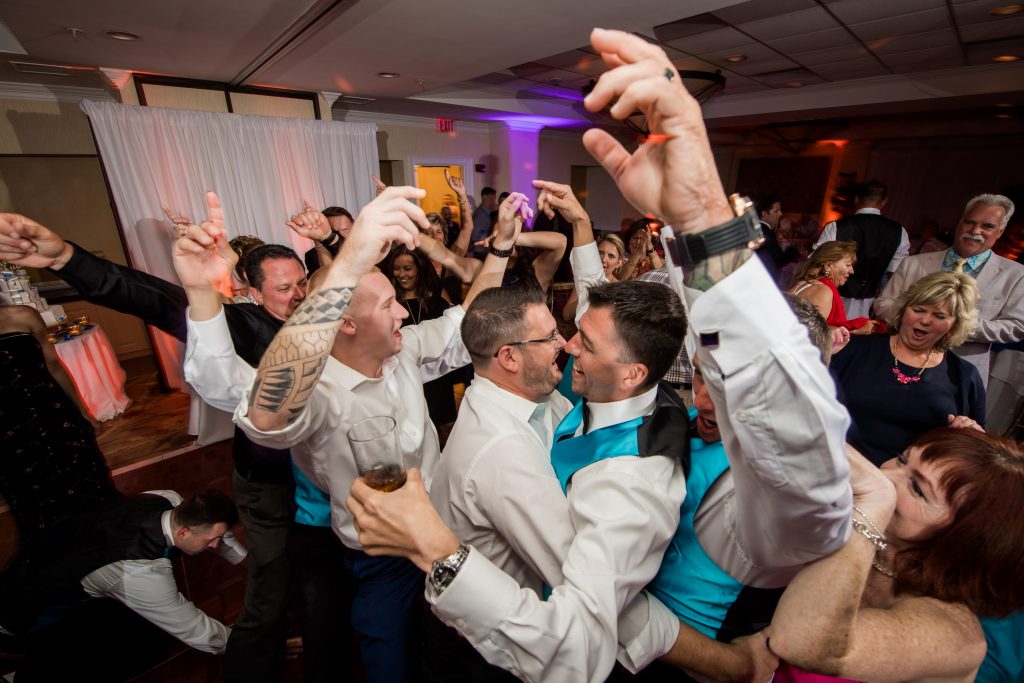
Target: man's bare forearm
{"x":292,"y":364}
{"x":714,"y":269}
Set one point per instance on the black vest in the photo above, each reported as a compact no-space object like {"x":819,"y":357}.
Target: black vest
{"x":877,"y":239}
{"x":48,"y":572}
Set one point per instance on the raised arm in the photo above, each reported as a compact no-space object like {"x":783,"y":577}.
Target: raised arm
{"x":464,"y":267}
{"x":461,"y":244}
{"x":293,"y":362}
{"x":552,"y":246}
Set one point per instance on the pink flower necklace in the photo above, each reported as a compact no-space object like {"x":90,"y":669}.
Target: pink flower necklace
{"x":908,"y":379}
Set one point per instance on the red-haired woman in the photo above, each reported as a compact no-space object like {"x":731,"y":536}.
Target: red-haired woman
{"x":936,"y":543}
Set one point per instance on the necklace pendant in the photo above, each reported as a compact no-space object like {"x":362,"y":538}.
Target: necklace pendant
{"x":905,"y":379}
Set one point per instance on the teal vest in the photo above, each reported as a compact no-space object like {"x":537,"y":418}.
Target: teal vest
{"x":661,"y":433}
{"x":689,"y":582}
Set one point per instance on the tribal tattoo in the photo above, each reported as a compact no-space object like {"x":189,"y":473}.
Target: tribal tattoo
{"x":292,"y":364}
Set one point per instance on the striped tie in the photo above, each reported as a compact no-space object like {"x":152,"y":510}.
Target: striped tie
{"x":958,"y":267}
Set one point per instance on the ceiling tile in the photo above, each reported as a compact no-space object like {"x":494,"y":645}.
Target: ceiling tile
{"x":790,"y":24}
{"x":928,"y":20}
{"x":993,"y":30}
{"x":924,"y":60}
{"x":763,"y":66}
{"x":494,"y":78}
{"x":781,"y":78}
{"x":758,"y":9}
{"x":687,"y":27}
{"x":831,"y":55}
{"x":753,"y":52}
{"x":817,"y":40}
{"x":693,"y":64}
{"x":860,"y":11}
{"x":851,"y":68}
{"x":715,"y":40}
{"x":932,"y":65}
{"x":591,"y":65}
{"x":945,"y":38}
{"x":547,"y":76}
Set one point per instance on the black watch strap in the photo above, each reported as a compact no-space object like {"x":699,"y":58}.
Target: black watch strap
{"x":331,"y":239}
{"x":501,"y":253}
{"x":742,"y":231}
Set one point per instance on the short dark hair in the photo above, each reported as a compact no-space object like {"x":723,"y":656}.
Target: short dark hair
{"x":495,"y":318}
{"x":206,"y":509}
{"x":254,"y":261}
{"x":503,"y":196}
{"x":872,"y":191}
{"x":488,"y":192}
{"x":242,"y":245}
{"x":817,"y":329}
{"x":649,"y":320}
{"x":332,"y":211}
{"x":766,"y":203}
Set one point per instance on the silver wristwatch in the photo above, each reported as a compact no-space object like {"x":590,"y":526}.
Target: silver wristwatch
{"x":444,"y":571}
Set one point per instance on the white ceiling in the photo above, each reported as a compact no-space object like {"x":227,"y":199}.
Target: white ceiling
{"x":530,"y":57}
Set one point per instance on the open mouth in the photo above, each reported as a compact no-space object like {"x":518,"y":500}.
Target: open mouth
{"x":919,"y":334}
{"x":705,"y":425}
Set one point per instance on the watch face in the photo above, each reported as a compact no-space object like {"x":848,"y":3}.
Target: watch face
{"x":441,"y":576}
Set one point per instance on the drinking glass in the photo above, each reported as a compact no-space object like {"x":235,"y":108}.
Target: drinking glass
{"x":377,"y":453}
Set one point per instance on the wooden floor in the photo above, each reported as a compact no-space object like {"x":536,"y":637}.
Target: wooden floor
{"x":156,"y":422}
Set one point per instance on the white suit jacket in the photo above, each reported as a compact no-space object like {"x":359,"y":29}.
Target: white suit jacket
{"x":1000,"y":308}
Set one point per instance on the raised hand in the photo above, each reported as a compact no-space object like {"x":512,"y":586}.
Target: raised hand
{"x":512,"y":213}
{"x":24,"y":242}
{"x":673,"y":175}
{"x":310,"y":223}
{"x":202,"y":257}
{"x":456,"y":184}
{"x":179,"y":222}
{"x":379,"y":185}
{"x":557,"y":197}
{"x":389,"y":218}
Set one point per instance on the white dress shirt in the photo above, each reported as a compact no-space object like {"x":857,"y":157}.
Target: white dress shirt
{"x":861,"y":308}
{"x":624,"y":511}
{"x":317,"y":436}
{"x":148,"y":588}
{"x":786,"y":499}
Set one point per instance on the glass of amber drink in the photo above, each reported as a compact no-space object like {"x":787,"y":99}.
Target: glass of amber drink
{"x":377,"y":452}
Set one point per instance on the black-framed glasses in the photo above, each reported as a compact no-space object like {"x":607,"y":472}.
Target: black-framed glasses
{"x":553,"y":338}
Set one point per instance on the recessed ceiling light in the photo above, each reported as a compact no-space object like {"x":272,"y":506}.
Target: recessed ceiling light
{"x":1004,"y":116}
{"x":1005,"y":58}
{"x":388,"y":74}
{"x":122,"y":35}
{"x":794,"y":84}
{"x":1006,"y":10}
{"x":1003,"y":104}
{"x":736,"y":58}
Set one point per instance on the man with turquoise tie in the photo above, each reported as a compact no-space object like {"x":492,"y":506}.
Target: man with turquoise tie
{"x":783,"y":434}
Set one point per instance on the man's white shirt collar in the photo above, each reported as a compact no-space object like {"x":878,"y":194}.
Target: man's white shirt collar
{"x":616,"y":412}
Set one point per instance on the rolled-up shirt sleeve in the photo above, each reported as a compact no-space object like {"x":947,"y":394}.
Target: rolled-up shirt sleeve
{"x":782,"y":427}
{"x":148,"y":588}
{"x":438,"y":343}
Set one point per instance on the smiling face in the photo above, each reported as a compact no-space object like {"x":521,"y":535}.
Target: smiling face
{"x":923,"y":325}
{"x":405,"y":272}
{"x":435,"y":231}
{"x":597,"y":372}
{"x":707,"y":423}
{"x":921,"y":505}
{"x":841,"y":270}
{"x":283,"y":287}
{"x":377,"y":316}
{"x":541,"y":373}
{"x":978,"y":230}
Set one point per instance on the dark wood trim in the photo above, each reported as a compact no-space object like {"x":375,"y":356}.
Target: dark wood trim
{"x":59,"y":156}
{"x":142,"y":80}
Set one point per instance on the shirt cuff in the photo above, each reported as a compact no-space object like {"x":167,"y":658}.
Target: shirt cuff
{"x":214,"y":333}
{"x":586,"y":262}
{"x":748,"y":295}
{"x":476,"y":600}
{"x":647,"y":631}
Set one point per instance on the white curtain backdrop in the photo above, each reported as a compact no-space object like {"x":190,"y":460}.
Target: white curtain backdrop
{"x":260,"y":167}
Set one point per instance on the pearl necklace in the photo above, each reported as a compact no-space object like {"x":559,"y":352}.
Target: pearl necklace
{"x":907,"y":379}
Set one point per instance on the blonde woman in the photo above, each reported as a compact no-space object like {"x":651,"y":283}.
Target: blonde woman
{"x":818,"y":280}
{"x":902,"y":385}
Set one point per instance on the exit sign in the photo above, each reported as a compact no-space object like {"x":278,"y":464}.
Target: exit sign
{"x":445,"y":125}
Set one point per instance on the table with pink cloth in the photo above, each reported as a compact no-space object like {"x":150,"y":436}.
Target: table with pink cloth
{"x":93,"y":367}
